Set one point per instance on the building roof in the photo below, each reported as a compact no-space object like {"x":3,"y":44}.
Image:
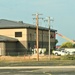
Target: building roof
{"x":5,"y":38}
{"x":18,"y":24}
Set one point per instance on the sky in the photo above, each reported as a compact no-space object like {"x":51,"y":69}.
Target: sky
{"x":62,"y":11}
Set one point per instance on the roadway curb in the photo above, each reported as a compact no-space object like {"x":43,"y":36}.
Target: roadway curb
{"x":34,"y":67}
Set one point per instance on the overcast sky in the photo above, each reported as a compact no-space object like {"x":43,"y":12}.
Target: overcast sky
{"x":63,"y":12}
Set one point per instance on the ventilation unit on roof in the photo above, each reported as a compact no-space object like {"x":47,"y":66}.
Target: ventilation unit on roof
{"x":21,"y":22}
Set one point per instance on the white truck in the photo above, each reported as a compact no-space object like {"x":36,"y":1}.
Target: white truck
{"x":60,"y":52}
{"x":70,"y":50}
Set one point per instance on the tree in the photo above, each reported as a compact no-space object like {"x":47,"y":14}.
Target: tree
{"x":67,"y":45}
{"x":73,"y":45}
{"x":56,"y":41}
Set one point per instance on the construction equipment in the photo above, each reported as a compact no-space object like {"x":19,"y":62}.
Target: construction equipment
{"x":72,"y":41}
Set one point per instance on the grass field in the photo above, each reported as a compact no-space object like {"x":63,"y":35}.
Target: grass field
{"x":32,"y":61}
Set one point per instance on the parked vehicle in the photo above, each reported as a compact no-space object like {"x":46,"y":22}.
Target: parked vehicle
{"x":69,"y":49}
{"x":64,"y":51}
{"x":72,"y":53}
{"x":60,"y":52}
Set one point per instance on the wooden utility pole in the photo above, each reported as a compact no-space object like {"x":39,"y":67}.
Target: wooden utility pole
{"x":37,"y":32}
{"x":48,"y":20}
{"x":37,"y":44}
{"x":49,"y":38}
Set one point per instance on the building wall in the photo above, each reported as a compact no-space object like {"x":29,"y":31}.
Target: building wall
{"x":28,"y":38}
{"x":2,"y":48}
{"x":11,"y":33}
{"x":10,"y":48}
{"x":22,"y":44}
{"x":43,"y":35}
{"x":43,"y":39}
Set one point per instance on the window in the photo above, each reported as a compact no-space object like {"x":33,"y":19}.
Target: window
{"x":18,"y":34}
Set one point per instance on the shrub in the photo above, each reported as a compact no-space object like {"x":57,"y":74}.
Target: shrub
{"x":68,"y":57}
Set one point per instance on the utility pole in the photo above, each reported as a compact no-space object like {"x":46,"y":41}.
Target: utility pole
{"x":49,"y":37}
{"x":48,"y":20}
{"x":37,"y":39}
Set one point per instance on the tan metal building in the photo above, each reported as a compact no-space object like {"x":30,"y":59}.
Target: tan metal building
{"x":24,"y":36}
{"x":7,"y":45}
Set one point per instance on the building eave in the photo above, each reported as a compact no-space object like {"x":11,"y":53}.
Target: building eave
{"x":8,"y":24}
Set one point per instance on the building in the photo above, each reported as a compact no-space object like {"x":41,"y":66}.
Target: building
{"x":18,"y":37}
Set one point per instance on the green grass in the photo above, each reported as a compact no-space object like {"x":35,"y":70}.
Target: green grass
{"x":40,"y":63}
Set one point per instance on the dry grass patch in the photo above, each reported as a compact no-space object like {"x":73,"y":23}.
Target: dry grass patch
{"x":26,"y":58}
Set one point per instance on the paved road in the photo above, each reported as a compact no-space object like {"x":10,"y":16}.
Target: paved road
{"x":44,"y":70}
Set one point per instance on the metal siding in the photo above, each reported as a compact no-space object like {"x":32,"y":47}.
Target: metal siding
{"x":10,"y":48}
{"x":2,"y":49}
